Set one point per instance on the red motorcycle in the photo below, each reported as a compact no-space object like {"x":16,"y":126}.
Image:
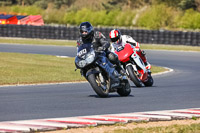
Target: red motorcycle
{"x":134,"y":66}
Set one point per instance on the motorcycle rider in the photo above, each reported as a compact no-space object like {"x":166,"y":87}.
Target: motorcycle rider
{"x":118,"y":39}
{"x":99,"y":42}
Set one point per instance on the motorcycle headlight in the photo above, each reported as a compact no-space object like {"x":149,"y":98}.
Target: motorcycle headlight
{"x":81,"y":63}
{"x":90,"y":58}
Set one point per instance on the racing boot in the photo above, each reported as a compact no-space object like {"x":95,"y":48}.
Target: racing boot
{"x":115,"y":81}
{"x":121,"y":71}
{"x":142,"y":55}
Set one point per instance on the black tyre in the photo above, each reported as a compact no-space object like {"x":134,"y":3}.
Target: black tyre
{"x":125,"y":90}
{"x":97,"y":86}
{"x":149,"y":82}
{"x":133,"y":77}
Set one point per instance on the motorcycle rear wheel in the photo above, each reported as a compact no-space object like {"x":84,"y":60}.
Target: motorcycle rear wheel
{"x":133,"y":77}
{"x":95,"y":83}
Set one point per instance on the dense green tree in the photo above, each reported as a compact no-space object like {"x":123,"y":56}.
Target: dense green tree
{"x":8,"y":2}
{"x":173,"y":3}
{"x":59,"y":3}
{"x":26,"y":2}
{"x":42,"y":4}
{"x":187,"y":4}
{"x":13,"y":1}
{"x":114,"y":4}
{"x":182,"y":4}
{"x":138,"y":3}
{"x":197,"y":4}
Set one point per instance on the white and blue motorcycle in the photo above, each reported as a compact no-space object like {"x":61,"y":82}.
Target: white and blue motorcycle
{"x":100,"y":72}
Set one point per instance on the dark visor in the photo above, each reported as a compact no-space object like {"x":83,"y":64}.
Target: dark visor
{"x":83,"y":31}
{"x":114,"y":39}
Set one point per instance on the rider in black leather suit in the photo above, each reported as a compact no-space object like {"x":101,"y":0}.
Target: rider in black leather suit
{"x":100,"y":43}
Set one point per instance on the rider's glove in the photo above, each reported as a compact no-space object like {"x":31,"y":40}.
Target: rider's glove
{"x":132,"y":43}
{"x":101,"y":48}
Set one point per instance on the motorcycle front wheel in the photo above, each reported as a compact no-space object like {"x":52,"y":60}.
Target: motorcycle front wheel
{"x":101,"y":89}
{"x":125,"y":90}
{"x":149,"y":82}
{"x":133,"y":77}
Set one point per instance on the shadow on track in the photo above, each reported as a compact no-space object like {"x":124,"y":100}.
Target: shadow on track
{"x":110,"y":96}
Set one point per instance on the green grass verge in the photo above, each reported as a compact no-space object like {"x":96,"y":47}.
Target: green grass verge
{"x":73,"y":43}
{"x":37,"y":41}
{"x":17,"y":68}
{"x":33,"y":68}
{"x":192,"y":128}
{"x":170,"y":47}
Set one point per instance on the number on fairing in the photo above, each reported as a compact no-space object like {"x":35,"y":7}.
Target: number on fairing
{"x":80,"y":53}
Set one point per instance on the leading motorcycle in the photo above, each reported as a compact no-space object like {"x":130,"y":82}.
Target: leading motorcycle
{"x":134,"y":66}
{"x":100,"y":72}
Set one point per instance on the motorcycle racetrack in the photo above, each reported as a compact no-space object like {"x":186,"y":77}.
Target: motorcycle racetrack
{"x":178,"y":89}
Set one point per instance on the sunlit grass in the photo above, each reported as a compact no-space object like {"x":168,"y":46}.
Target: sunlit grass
{"x":157,"y":69}
{"x":32,"y":68}
{"x":37,"y":41}
{"x":193,"y":128}
{"x":17,"y":68}
{"x":170,"y":47}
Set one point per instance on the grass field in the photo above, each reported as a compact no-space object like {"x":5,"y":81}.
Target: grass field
{"x":37,"y":41}
{"x":192,"y":128}
{"x":17,"y":68}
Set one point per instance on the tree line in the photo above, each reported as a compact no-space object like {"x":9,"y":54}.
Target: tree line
{"x":165,"y":14}
{"x":107,"y":4}
{"x":41,"y":3}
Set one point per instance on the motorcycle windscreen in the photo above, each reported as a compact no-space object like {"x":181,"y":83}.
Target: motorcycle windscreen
{"x":124,"y":54}
{"x":84,"y":49}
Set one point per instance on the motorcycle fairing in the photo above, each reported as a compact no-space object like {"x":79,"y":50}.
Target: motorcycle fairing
{"x":140,"y":72}
{"x":83,"y":50}
{"x":92,"y":71}
{"x":124,"y":54}
{"x":139,"y":62}
{"x":143,"y":76}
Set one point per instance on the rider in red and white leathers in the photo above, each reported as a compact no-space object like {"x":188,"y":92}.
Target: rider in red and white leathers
{"x":118,"y":39}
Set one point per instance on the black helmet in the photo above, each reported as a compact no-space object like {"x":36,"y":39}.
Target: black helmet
{"x":86,"y":27}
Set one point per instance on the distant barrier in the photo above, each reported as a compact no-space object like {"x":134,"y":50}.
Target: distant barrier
{"x":72,"y":33}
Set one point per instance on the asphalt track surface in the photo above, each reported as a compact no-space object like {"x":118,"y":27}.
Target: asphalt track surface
{"x":175,"y":90}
